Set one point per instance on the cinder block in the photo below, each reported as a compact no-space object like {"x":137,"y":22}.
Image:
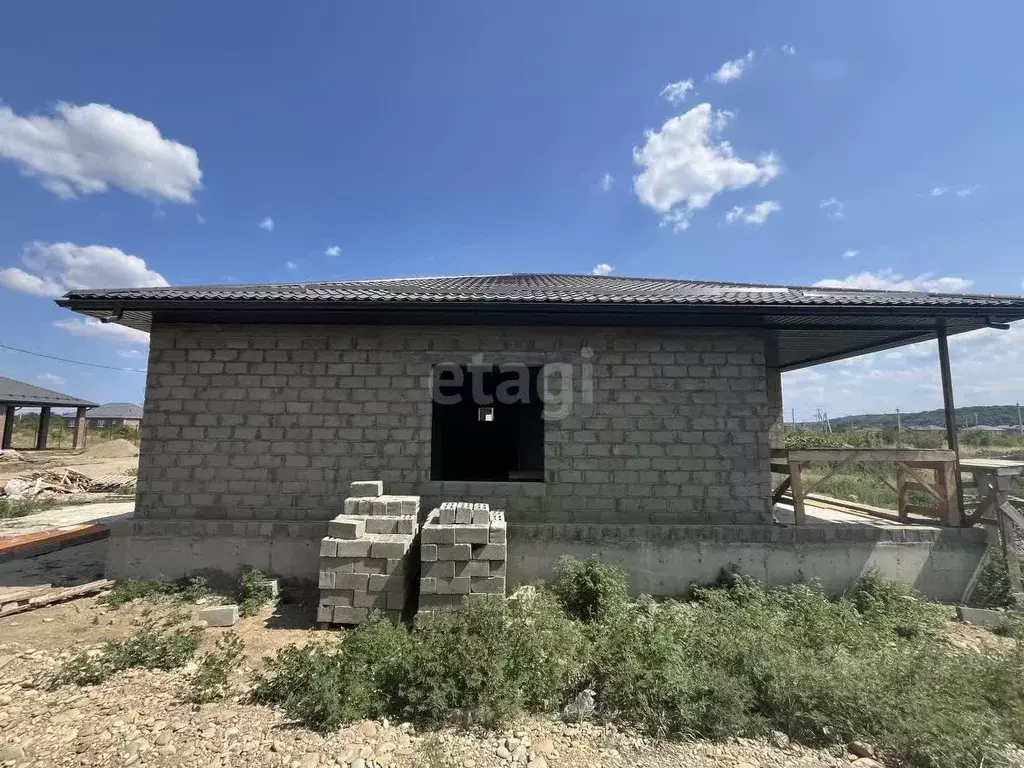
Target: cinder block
{"x":474,"y":568}
{"x":489,"y":586}
{"x":411,"y":506}
{"x":428,"y":553}
{"x":443,"y":569}
{"x":378,"y":506}
{"x":435,"y":602}
{"x":371,"y":565}
{"x":392,"y":524}
{"x":370,"y":600}
{"x":984,"y":617}
{"x":447,"y":516}
{"x":385,"y":582}
{"x":390,"y":548}
{"x":438,"y":534}
{"x":475,"y":596}
{"x":481,"y":514}
{"x":328,"y":548}
{"x":346,"y":527}
{"x":497,"y":567}
{"x":464,"y":513}
{"x":347,"y":615}
{"x":454,"y":551}
{"x":471,"y":534}
{"x":354,"y":548}
{"x":338,"y":564}
{"x":219,"y":615}
{"x":335,"y":597}
{"x":394,"y":506}
{"x":396,"y":601}
{"x":460,"y":585}
{"x":366,"y":488}
{"x":357,"y":581}
{"x":324,"y":613}
{"x":327,"y":579}
{"x":395,"y":567}
{"x":489,"y":552}
{"x":428,"y":585}
{"x":497,"y":534}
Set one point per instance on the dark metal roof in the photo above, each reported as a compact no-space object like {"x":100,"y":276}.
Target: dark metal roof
{"x":116,"y":411}
{"x":548,"y":288}
{"x":19,"y":393}
{"x":803,"y":325}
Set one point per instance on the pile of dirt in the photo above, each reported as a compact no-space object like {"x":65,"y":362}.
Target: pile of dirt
{"x":115,"y":449}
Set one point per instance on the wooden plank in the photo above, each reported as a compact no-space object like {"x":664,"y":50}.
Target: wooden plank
{"x":777,"y":493}
{"x":61,"y":594}
{"x":917,"y":509}
{"x":870,"y":454}
{"x":1000,"y":466}
{"x":949,"y":488}
{"x":920,"y":481}
{"x":797,"y":485}
{"x":24,"y":594}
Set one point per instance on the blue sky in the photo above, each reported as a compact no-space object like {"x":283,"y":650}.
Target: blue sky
{"x":871,"y":143}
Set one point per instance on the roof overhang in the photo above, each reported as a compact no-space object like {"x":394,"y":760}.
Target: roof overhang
{"x":797,"y":336}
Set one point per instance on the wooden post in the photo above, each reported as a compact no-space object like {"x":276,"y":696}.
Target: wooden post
{"x":902,"y":491}
{"x":950,"y":409}
{"x":44,"y":428}
{"x":1009,"y":544}
{"x":948,"y":486}
{"x":81,"y":428}
{"x":8,"y":426}
{"x":796,"y":485}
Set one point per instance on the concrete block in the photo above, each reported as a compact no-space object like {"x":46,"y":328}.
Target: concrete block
{"x":984,"y":617}
{"x":357,"y":581}
{"x":395,"y":567}
{"x":474,"y":568}
{"x":447,"y":513}
{"x":489,"y":552}
{"x":394,"y":506}
{"x":324,"y":613}
{"x":444,"y":569}
{"x":454,"y":551}
{"x":489,"y":586}
{"x":347,"y":527}
{"x":326,"y":579}
{"x":371,"y":565}
{"x":396,"y":601}
{"x":390,"y":548}
{"x":219,"y":615}
{"x":347,"y":615}
{"x":333,"y":597}
{"x":411,"y":506}
{"x":428,"y":553}
{"x":378,"y":506}
{"x":498,"y":567}
{"x":464,"y":514}
{"x":438,"y":534}
{"x":370,"y":600}
{"x":366,"y":488}
{"x":386,"y":582}
{"x":428,"y":585}
{"x":354,"y":548}
{"x":497,"y":534}
{"x":460,"y":585}
{"x":328,"y":548}
{"x":435,"y":602}
{"x":338,"y":564}
{"x":352,"y":506}
{"x":391,"y":524}
{"x":471,"y":534}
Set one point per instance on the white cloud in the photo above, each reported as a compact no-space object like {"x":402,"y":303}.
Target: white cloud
{"x":789,"y":50}
{"x":333,"y":250}
{"x":850,"y":253}
{"x":86,"y":149}
{"x":889,"y":280}
{"x":55,"y":268}
{"x":603,"y":269}
{"x":93,"y":328}
{"x":675,"y":93}
{"x":970,"y":189}
{"x":756,"y":215}
{"x":684,"y":167}
{"x":51,"y":378}
{"x":606,"y":182}
{"x":131,"y":354}
{"x":267,"y":224}
{"x":834,"y":208}
{"x":732,"y":70}
{"x":200,"y":218}
{"x":938,"y":191}
{"x":291,"y":264}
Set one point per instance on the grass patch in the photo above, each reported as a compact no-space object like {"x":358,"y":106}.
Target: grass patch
{"x":152,"y":647}
{"x":254,"y":591}
{"x":11,"y":507}
{"x":189,"y":589}
{"x":736,"y":660}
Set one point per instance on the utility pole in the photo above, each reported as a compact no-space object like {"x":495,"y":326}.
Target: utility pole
{"x":792,"y":413}
{"x":899,"y":424}
{"x":1020,"y":424}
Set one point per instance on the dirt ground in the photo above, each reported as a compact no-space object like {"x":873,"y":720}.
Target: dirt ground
{"x":94,"y":461}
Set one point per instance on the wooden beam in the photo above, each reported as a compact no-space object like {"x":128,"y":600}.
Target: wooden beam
{"x":921,"y":483}
{"x":871,"y":454}
{"x":1007,"y":520}
{"x":777,"y":493}
{"x":797,"y":486}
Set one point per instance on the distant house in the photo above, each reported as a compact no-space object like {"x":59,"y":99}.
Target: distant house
{"x":113,"y":415}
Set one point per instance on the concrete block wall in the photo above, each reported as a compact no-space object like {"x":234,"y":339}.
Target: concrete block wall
{"x":365,"y":562}
{"x":272,"y":422}
{"x":463,"y":553}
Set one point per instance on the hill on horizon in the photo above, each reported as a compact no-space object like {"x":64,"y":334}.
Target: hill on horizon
{"x":972,"y":415}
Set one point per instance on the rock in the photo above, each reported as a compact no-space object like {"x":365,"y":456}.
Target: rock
{"x":544,"y":746}
{"x":11,"y":752}
{"x":866,"y":762}
{"x":162,"y":739}
{"x":519,"y":755}
{"x":368,"y":729}
{"x":167,"y":749}
{"x":744,"y":765}
{"x":511,"y":744}
{"x":539,"y":762}
{"x":358,"y":763}
{"x":277,"y":747}
{"x":312,"y":760}
{"x":779,"y":740}
{"x":503,"y":753}
{"x":861,"y":749}
{"x":469,"y":762}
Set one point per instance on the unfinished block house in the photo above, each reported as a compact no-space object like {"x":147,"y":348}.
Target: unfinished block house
{"x":632,"y":417}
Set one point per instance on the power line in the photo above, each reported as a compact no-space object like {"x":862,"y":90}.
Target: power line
{"x":76,"y":362}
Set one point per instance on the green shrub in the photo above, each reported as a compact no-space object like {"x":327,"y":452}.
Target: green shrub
{"x":151,"y":647}
{"x":993,"y":587}
{"x":212,"y":678}
{"x":590,"y":590}
{"x":254,"y":592}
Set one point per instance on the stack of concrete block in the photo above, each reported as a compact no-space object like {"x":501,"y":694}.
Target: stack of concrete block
{"x":462,"y":555}
{"x":365,"y":558}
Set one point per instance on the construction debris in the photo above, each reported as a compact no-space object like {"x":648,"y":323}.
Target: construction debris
{"x":36,"y":597}
{"x":48,"y":483}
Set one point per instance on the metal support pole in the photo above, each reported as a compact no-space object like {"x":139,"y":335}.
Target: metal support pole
{"x":950,"y":408}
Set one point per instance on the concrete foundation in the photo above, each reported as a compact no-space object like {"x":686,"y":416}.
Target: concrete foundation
{"x":666,"y":560}
{"x":660,"y":560}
